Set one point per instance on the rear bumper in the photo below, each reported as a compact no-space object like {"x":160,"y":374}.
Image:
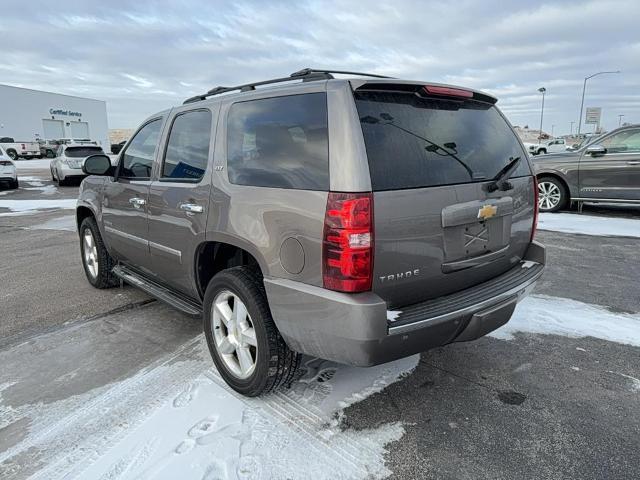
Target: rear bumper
{"x":357,"y":329}
{"x":66,"y":172}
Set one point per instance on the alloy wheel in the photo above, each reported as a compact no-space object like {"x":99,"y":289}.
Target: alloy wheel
{"x":234,"y":334}
{"x":549,"y":195}
{"x":90,"y":253}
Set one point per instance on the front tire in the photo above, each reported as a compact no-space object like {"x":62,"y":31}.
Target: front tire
{"x":246,"y":347}
{"x":96,"y":260}
{"x":15,"y":184}
{"x":552,"y":194}
{"x":13,"y":155}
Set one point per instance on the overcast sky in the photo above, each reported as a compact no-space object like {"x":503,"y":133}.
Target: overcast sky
{"x":142,"y":57}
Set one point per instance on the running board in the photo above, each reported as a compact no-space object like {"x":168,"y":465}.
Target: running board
{"x":158,"y":291}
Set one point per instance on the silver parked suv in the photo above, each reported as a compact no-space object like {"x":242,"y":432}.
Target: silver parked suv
{"x":359,"y":220}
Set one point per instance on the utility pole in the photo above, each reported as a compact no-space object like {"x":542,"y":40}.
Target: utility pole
{"x":552,"y":129}
{"x":584,"y":87}
{"x":542,"y":90}
{"x":571,"y":128}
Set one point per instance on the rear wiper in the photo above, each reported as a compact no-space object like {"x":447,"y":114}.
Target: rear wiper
{"x":500,"y":180}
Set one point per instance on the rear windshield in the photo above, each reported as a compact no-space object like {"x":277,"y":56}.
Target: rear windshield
{"x":414,"y":141}
{"x":81,"y":152}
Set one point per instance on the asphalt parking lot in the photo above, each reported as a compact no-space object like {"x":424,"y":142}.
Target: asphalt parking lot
{"x":85,"y":370}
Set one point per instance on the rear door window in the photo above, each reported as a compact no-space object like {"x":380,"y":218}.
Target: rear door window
{"x":188,"y":146}
{"x":279,"y":142}
{"x":414,"y":141}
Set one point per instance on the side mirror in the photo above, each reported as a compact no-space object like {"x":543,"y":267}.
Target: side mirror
{"x":98,"y":165}
{"x":596,"y":149}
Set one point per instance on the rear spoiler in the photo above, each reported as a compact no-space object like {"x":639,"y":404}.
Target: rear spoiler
{"x":423,"y":89}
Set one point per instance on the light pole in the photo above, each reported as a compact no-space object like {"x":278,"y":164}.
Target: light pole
{"x":584,"y":87}
{"x":542,"y":90}
{"x":571,"y":128}
{"x":552,"y":129}
{"x":620,"y":119}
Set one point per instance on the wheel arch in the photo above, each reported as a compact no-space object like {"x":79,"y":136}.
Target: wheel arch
{"x":214,"y":256}
{"x":82,"y":212}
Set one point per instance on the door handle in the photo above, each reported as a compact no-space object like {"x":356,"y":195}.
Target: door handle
{"x":191,"y":208}
{"x":137,"y":202}
{"x":633,"y":162}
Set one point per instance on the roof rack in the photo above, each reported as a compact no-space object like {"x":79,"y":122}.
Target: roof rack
{"x":306,"y":75}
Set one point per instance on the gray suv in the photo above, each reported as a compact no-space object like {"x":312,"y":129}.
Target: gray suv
{"x":601,"y":169}
{"x":358,"y":220}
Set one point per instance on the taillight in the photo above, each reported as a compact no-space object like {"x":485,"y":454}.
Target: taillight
{"x":347,"y":246}
{"x":448,"y":91}
{"x":23,"y":146}
{"x":534,"y":227}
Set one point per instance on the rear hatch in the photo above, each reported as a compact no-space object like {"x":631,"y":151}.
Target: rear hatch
{"x":77,"y":155}
{"x":433,"y":152}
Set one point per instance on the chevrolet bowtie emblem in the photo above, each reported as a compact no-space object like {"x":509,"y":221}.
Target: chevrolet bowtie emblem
{"x":487,"y":211}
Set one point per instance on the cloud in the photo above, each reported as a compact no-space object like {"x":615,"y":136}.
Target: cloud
{"x":148,"y":56}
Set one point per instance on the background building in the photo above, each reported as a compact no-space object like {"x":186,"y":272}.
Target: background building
{"x":29,"y":115}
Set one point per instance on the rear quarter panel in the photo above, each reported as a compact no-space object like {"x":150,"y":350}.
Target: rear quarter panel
{"x":261,"y":219}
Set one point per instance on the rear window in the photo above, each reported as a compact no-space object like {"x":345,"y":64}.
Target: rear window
{"x":414,"y":141}
{"x":279,"y":142}
{"x":81,"y":152}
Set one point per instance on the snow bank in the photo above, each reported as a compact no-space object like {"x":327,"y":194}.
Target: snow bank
{"x":43,"y":163}
{"x":27,"y":207}
{"x":589,"y":224}
{"x":561,"y":316}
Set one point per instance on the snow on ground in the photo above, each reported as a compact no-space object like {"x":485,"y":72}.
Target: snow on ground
{"x":33,"y":164}
{"x":68,"y":223}
{"x":562,"y":316}
{"x":37,"y":184}
{"x":28,"y":207}
{"x":178,"y":419}
{"x":589,"y":224}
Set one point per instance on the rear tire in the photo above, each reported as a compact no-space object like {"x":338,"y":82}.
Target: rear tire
{"x":96,"y":260}
{"x":542,"y":151}
{"x":13,"y":155}
{"x":274,"y":364}
{"x":552,"y":194}
{"x":15,"y":184}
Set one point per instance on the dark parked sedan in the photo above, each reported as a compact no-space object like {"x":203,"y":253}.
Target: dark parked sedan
{"x":604,"y":169}
{"x":116,"y":147}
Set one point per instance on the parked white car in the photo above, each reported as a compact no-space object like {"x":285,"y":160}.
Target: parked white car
{"x":17,"y":150}
{"x":67,"y":166}
{"x":8,"y":173}
{"x":556,"y":145}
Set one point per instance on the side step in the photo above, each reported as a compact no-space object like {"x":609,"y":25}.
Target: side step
{"x":158,"y":291}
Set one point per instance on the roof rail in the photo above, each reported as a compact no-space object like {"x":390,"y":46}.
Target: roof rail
{"x":311,"y":71}
{"x":306,"y":75}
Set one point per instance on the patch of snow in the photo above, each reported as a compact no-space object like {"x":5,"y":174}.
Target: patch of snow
{"x":561,"y":316}
{"x":68,"y":223}
{"x":392,"y":315}
{"x":178,"y":419}
{"x":589,"y":224}
{"x":635,"y":382}
{"x":33,"y":164}
{"x":28,"y":207}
